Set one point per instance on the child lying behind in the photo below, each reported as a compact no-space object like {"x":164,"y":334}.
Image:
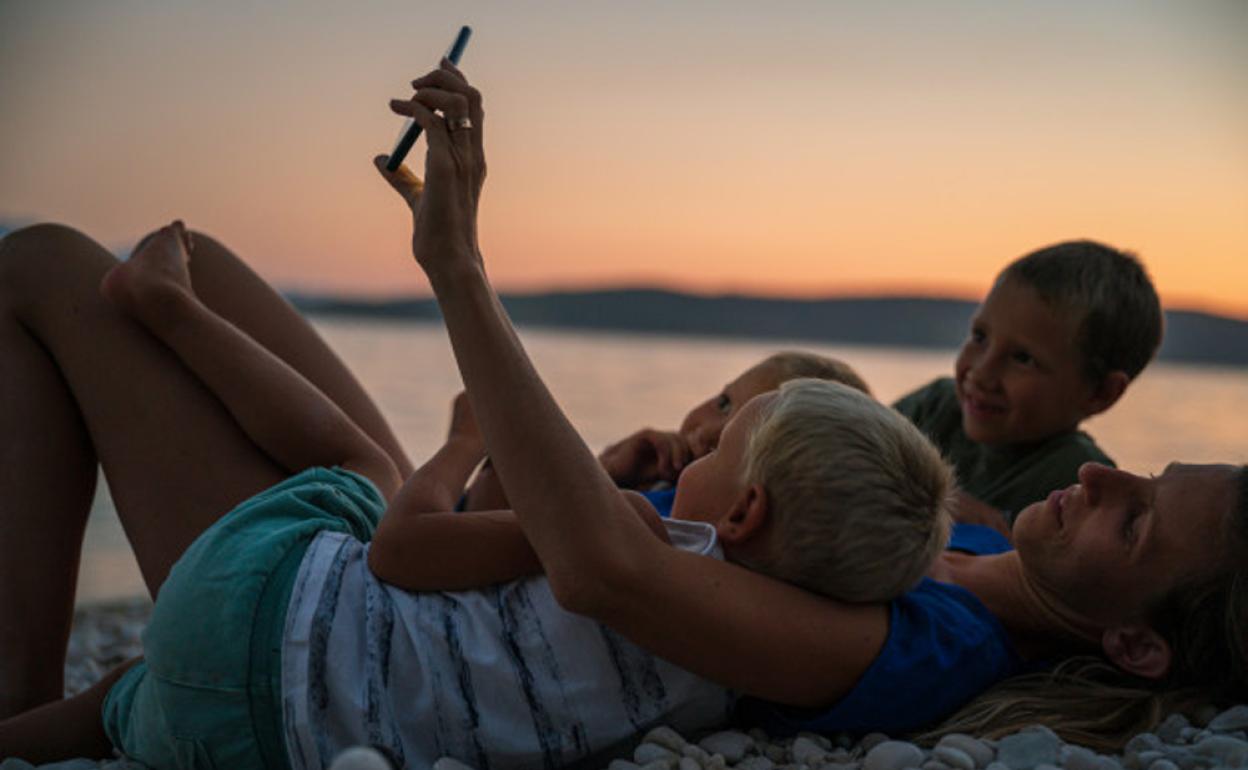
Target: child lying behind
{"x":650,"y":460}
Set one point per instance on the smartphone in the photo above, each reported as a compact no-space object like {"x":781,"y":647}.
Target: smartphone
{"x":411,"y":129}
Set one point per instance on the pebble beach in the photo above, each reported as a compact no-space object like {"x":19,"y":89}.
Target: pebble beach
{"x":107,"y":634}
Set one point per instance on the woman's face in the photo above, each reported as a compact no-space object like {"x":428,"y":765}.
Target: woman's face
{"x":1108,"y":547}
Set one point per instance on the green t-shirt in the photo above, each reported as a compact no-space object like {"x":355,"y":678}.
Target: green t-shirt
{"x":1009,"y":477}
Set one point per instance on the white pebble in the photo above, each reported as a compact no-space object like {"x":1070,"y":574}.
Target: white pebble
{"x":755,"y":763}
{"x":1227,"y":751}
{"x":806,"y":752}
{"x":1163,"y":764}
{"x":731,"y":744}
{"x":661,"y":764}
{"x":954,"y":757}
{"x":979,"y":752}
{"x":446,"y":763}
{"x":666,"y":737}
{"x":1171,"y":730}
{"x":934,"y":764}
{"x":365,"y":758}
{"x":1234,"y":718}
{"x":689,"y":763}
{"x":695,"y":752}
{"x":870,"y":741}
{"x":1028,"y":748}
{"x":893,"y":755}
{"x":646,"y":753}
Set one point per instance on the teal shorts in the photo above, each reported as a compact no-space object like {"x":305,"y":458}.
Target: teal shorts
{"x":208,"y":692}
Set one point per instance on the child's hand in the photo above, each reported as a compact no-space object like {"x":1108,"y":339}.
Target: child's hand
{"x":444,"y":210}
{"x":646,"y":457}
{"x":464,"y":423}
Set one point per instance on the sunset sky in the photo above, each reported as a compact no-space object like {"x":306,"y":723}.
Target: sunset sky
{"x":803,"y":148}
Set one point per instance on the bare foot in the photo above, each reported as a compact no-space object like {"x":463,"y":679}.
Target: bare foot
{"x":155,"y":277}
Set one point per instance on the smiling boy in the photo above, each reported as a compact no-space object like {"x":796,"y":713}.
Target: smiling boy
{"x":1062,"y":333}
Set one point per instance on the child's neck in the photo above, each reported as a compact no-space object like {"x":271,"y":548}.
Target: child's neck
{"x":1039,"y":626}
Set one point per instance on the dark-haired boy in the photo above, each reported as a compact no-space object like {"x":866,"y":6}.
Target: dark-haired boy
{"x":1062,"y":333}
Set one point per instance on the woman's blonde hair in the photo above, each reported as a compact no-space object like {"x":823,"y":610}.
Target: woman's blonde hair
{"x":859,"y":498}
{"x":1089,"y":701}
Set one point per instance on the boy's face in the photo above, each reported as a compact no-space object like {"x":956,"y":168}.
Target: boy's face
{"x":710,"y":485}
{"x":1019,"y":374}
{"x":703,"y":426}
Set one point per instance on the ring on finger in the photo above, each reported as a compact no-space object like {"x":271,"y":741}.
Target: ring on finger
{"x":461,"y":123}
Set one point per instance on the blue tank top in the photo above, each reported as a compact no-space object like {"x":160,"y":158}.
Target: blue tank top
{"x":943,"y":648}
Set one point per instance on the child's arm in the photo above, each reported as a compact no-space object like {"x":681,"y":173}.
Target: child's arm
{"x":640,"y":460}
{"x":286,"y":416}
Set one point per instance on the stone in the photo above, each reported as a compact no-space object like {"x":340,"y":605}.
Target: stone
{"x":1079,"y":758}
{"x":666,"y":737}
{"x":821,"y":741}
{"x":1187,"y":734}
{"x":1043,"y":766}
{"x":806,"y":751}
{"x":695,"y":752}
{"x":645,"y":753}
{"x":1026,"y":749}
{"x":893,"y":755}
{"x":1227,"y":751}
{"x":839,"y":766}
{"x":934,"y":764}
{"x":688,"y":763}
{"x":755,"y":763}
{"x":954,"y":757}
{"x":1171,"y":728}
{"x":775,"y":753}
{"x":1163,"y":764}
{"x":870,"y":741}
{"x":622,"y":764}
{"x":1143,"y":742}
{"x":731,"y":744}
{"x":995,"y":765}
{"x":661,"y":764}
{"x":366,"y":758}
{"x":1234,"y":718}
{"x":977,"y":750}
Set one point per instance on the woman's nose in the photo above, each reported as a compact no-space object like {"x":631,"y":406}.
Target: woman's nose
{"x":1099,"y":480}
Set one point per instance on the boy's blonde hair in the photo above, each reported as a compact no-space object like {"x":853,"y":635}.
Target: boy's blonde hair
{"x":793,"y":364}
{"x":860,"y":500}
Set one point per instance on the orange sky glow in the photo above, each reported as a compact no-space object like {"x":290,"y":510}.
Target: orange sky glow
{"x":791,"y":148}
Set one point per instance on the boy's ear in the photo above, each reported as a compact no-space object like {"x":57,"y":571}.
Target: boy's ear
{"x":1107,"y":392}
{"x":747,"y":518}
{"x":1137,"y":649}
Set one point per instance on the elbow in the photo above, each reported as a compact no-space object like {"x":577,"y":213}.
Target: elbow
{"x":593,"y":587}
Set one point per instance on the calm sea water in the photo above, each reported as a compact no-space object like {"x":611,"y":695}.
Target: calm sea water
{"x":612,"y":384}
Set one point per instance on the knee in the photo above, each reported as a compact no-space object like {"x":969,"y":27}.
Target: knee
{"x":46,"y":254}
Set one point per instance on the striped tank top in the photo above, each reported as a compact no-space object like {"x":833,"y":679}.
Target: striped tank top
{"x":498,"y":678}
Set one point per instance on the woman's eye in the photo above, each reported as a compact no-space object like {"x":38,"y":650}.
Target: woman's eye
{"x":1129,"y":525}
{"x":978,"y":335}
{"x":1023,"y":357}
{"x":723,"y":403}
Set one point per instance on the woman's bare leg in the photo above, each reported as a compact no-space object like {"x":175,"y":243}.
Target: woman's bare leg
{"x":174,"y":458}
{"x":233,"y":291}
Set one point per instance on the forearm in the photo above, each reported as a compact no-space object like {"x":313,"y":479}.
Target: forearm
{"x":486,"y":492}
{"x":530,"y":440}
{"x":285,"y":415}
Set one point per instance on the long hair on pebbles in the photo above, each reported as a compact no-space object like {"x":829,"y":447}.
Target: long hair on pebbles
{"x":1088,"y":700}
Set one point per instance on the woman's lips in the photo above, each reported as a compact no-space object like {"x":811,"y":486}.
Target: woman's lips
{"x":1057,"y":503}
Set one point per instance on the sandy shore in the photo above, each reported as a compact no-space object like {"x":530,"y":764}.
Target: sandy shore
{"x":107,"y":634}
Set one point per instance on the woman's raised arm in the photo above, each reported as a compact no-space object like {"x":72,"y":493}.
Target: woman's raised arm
{"x":744,"y":630}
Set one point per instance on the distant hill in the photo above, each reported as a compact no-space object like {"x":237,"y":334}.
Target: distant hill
{"x":922,"y":322}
